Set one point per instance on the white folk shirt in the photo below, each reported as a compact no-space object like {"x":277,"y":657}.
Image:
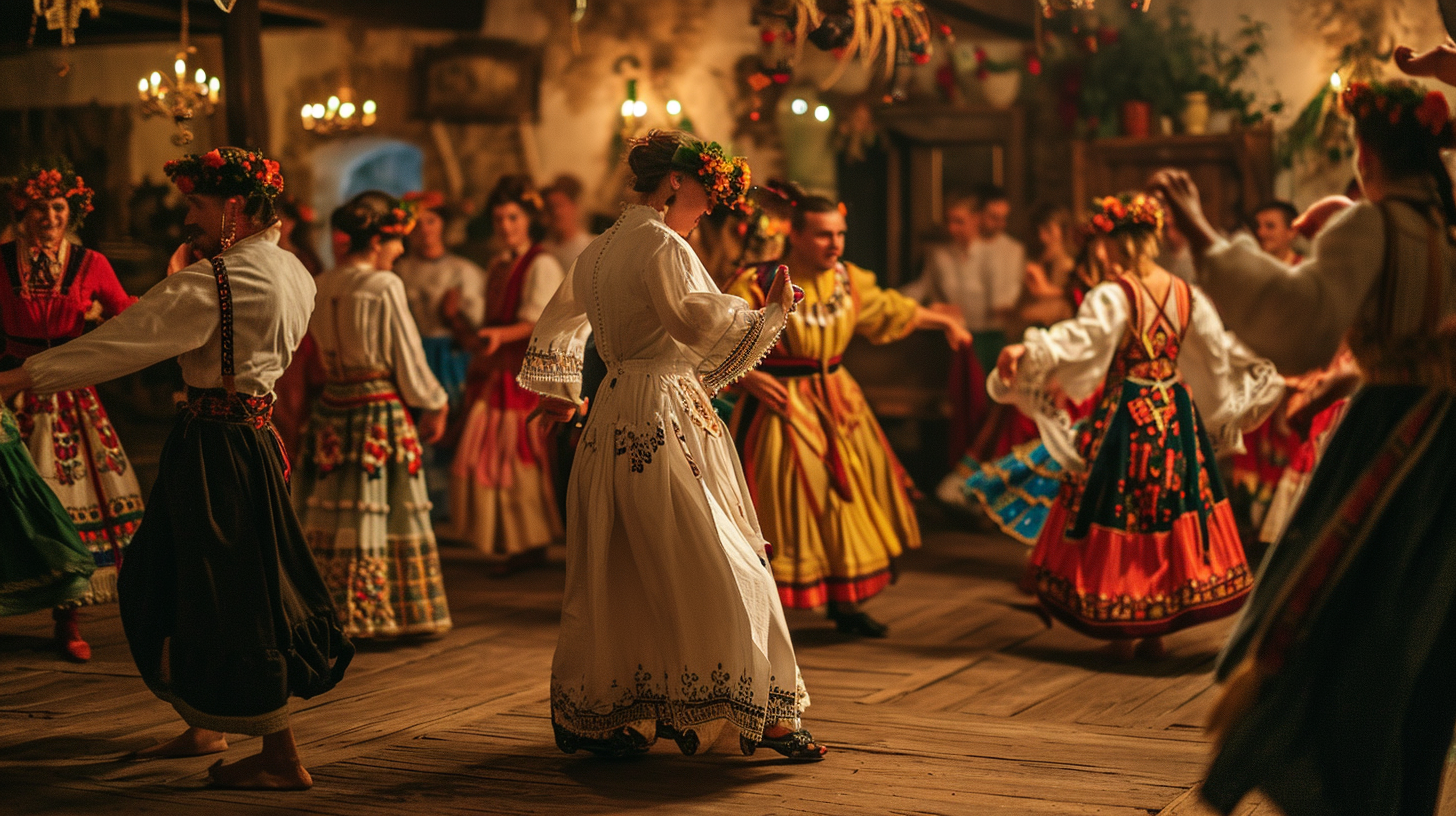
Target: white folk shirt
{"x":427,"y":281}
{"x":979,"y":280}
{"x":362,"y":323}
{"x":179,"y":317}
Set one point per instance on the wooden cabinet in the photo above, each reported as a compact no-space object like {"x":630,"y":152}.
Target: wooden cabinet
{"x":1233,"y":171}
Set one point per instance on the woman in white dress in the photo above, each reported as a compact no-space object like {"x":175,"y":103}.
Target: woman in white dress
{"x":671,"y":623}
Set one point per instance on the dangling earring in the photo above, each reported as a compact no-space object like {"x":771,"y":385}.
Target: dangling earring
{"x":228,"y":230}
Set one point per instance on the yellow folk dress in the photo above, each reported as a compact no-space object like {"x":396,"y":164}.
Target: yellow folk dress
{"x":831,"y":497}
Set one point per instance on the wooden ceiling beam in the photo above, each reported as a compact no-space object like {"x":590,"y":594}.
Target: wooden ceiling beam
{"x":1012,"y":19}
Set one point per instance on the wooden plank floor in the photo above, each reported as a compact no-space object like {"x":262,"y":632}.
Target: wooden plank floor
{"x":971,"y":706}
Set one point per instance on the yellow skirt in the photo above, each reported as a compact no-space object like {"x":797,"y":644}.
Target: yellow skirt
{"x":831,"y":497}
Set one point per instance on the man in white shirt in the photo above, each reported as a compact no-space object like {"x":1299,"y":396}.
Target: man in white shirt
{"x":1003,"y":268}
{"x":563,"y":217}
{"x":224,"y":609}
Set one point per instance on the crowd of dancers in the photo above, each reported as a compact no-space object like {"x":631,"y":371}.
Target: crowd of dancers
{"x":723,"y":465}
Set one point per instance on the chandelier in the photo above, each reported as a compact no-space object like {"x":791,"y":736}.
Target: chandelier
{"x":181,"y":96}
{"x":339,"y":114}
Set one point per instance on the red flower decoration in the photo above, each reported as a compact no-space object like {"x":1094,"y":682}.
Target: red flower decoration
{"x":214,"y":159}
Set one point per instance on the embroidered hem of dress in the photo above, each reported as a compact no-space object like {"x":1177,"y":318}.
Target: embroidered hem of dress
{"x":748,"y":719}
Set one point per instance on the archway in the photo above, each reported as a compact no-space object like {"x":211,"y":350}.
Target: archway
{"x":345,"y":168}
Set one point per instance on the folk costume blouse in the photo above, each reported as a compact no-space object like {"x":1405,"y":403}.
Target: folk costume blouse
{"x":179,"y":318}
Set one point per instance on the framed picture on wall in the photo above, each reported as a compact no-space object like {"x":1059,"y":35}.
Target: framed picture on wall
{"x":477,"y":80}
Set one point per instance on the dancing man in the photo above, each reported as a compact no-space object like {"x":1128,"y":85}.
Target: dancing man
{"x":223,"y":607}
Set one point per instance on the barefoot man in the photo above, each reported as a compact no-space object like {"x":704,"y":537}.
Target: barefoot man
{"x":223,"y":607}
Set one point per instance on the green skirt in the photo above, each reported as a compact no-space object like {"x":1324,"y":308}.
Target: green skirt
{"x":42,"y":561}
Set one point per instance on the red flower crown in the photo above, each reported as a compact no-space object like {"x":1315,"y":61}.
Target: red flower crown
{"x":726,"y":178}
{"x":1399,"y":102}
{"x":46,"y":182}
{"x":226,"y":171}
{"x":1126,"y":212}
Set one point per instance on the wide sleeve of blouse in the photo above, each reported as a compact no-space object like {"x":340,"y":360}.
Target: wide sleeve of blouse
{"x":177,"y":315}
{"x":552,"y":367}
{"x":542,"y":280}
{"x":1296,"y":316}
{"x":105,"y":288}
{"x":1071,"y":358}
{"x":1234,"y":388}
{"x":418,"y":386}
{"x":884,"y":314}
{"x":727,"y":335}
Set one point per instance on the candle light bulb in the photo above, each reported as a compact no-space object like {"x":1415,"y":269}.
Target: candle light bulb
{"x":799,"y":107}
{"x":369,"y":107}
{"x":333,"y":103}
{"x":212,"y":88}
{"x":155,"y":79}
{"x":200,"y":76}
{"x":639,"y":108}
{"x":821,"y":113}
{"x":1335,"y":81}
{"x":181,"y":68}
{"x":627,"y":109}
{"x":346,"y":110}
{"x":674,"y":107}
{"x":142,"y":88}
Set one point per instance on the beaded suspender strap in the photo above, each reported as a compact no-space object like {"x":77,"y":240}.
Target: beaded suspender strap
{"x":225,"y":306}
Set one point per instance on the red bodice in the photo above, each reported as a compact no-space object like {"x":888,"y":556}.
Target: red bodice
{"x":43,"y":305}
{"x":1149,"y":348}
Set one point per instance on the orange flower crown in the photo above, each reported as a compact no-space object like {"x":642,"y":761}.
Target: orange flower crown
{"x":1126,"y":212}
{"x":226,"y":171}
{"x":398,"y":223}
{"x":43,"y":183}
{"x":726,"y":178}
{"x":1407,"y":106}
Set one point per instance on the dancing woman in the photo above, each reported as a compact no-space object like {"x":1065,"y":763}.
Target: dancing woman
{"x":501,"y":495}
{"x":671,"y":624}
{"x":1341,"y":669}
{"x":1141,"y":541}
{"x":48,"y":287}
{"x":360,"y":491}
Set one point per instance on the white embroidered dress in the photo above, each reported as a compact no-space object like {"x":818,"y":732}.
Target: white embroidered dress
{"x":671,"y":614}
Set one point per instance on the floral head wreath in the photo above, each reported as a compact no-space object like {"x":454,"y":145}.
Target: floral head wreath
{"x":398,"y":222}
{"x":421,"y":200}
{"x":726,"y":179}
{"x":1126,"y":212}
{"x":226,"y":171}
{"x":44,"y":182}
{"x":1399,"y":103}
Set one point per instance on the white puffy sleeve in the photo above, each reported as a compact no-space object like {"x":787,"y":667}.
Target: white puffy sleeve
{"x":1234,"y":388}
{"x":726,"y":335}
{"x":1297,"y":316}
{"x":552,"y":367}
{"x":418,"y":386}
{"x":177,"y":315}
{"x":542,"y":280}
{"x":1072,"y":356}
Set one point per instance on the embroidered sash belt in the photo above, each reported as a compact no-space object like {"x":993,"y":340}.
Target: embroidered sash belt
{"x":218,"y":405}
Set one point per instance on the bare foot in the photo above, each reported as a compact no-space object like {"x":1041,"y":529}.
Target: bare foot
{"x":1152,"y":649}
{"x":257,"y":772}
{"x":1119,"y":649}
{"x":192,"y":742}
